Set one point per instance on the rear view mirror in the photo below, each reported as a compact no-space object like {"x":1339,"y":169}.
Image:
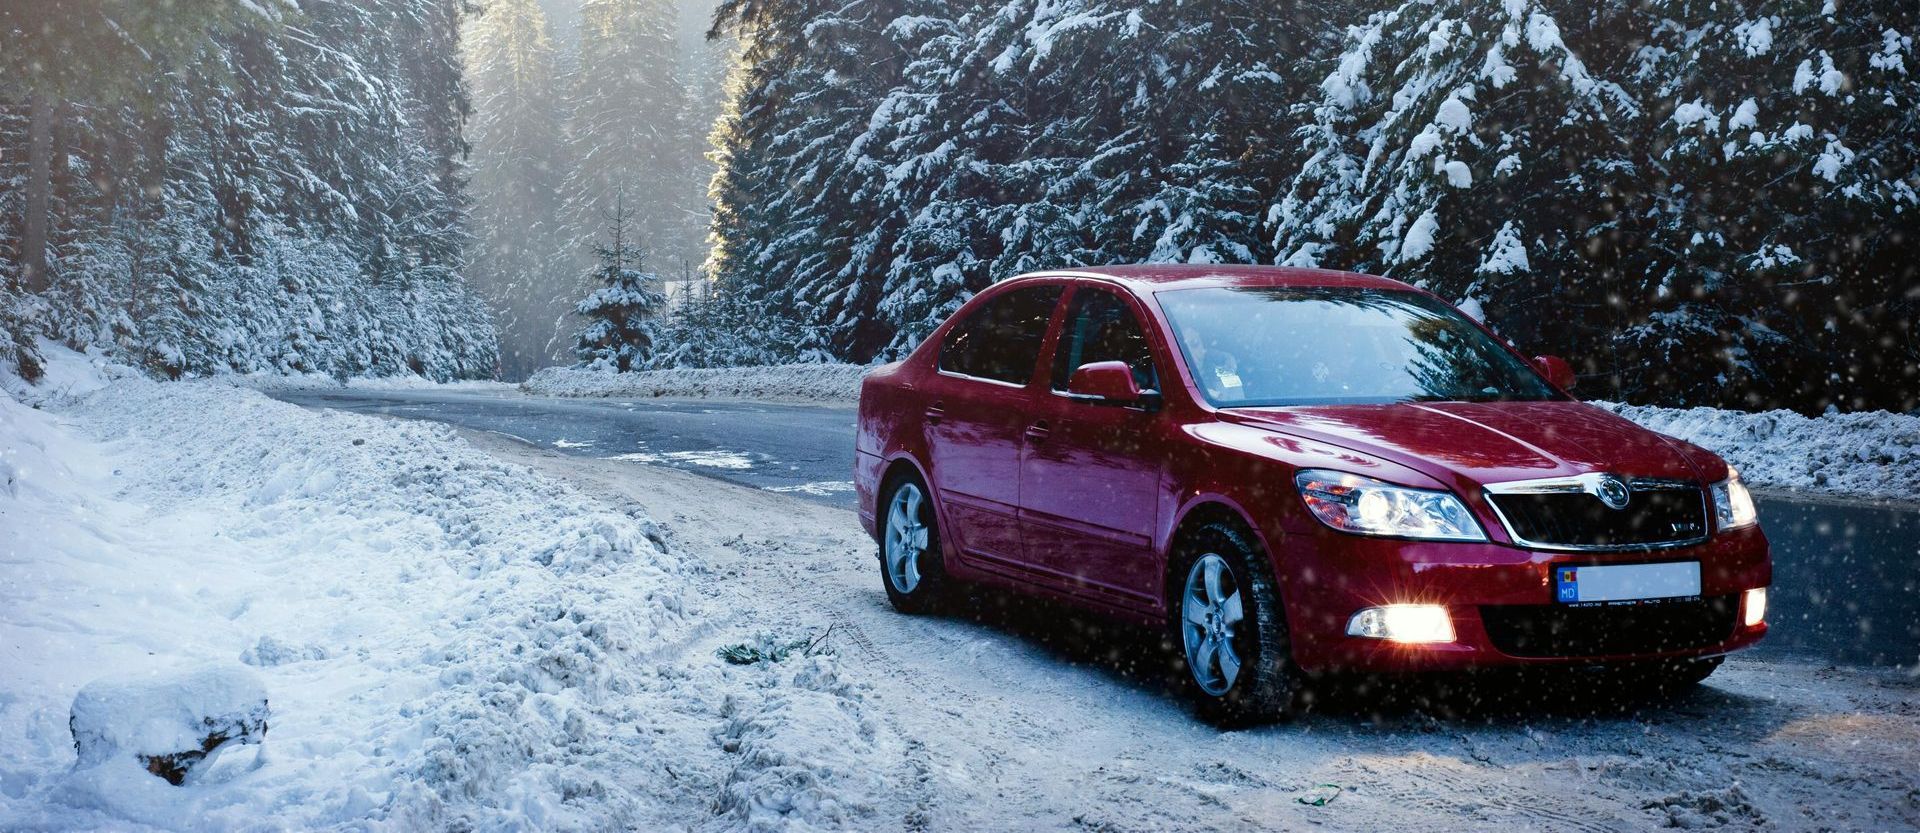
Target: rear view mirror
{"x":1556,"y":370}
{"x":1105,"y":381}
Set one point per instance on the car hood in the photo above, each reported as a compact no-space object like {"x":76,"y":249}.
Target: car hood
{"x":1488,"y":442}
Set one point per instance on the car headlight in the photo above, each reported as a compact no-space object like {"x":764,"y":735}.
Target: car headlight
{"x":1364,"y":506}
{"x":1732,"y":503}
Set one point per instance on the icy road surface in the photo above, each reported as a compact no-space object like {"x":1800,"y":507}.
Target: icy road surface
{"x":1846,"y":575}
{"x":805,"y":449}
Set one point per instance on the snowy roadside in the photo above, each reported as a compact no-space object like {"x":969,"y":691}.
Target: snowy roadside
{"x":1873,"y":454}
{"x":817,"y":383}
{"x":446,"y":640}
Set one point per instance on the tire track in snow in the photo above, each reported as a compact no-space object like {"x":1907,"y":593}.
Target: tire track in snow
{"x":919,"y":771}
{"x":990,"y":729}
{"x":1452,"y":790}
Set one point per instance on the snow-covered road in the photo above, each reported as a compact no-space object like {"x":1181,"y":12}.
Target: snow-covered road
{"x":1018,"y":716}
{"x":1847,"y":575}
{"x":456,"y":629}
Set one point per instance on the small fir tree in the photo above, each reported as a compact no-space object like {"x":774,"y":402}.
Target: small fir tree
{"x":620,"y":327}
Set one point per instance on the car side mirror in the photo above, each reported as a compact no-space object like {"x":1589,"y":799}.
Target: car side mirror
{"x":1556,"y":370}
{"x":1107,"y":382}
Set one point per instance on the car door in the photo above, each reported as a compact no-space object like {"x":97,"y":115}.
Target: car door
{"x":1090,"y":474}
{"x":978,"y":405}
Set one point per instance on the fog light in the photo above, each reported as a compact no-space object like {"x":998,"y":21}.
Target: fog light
{"x":1403,"y":623}
{"x":1754,"y":608}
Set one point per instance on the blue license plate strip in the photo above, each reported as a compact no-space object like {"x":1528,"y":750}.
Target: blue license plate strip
{"x":1625,"y":583}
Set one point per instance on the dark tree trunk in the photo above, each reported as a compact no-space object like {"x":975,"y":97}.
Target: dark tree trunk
{"x":33,"y":249}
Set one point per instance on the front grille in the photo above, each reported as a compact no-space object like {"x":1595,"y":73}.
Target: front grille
{"x":1662,"y":515}
{"x":1560,"y":631}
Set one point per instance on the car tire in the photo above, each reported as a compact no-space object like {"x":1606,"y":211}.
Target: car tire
{"x":912,"y":568}
{"x":1261,"y":688}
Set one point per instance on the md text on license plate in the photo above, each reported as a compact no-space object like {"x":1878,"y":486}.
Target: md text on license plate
{"x":1625,"y":583}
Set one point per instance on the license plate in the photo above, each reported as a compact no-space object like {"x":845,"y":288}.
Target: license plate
{"x":1574,"y":584}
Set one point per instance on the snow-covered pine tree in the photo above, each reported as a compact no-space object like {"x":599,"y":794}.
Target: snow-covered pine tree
{"x":19,"y":327}
{"x":706,"y":60}
{"x":982,"y":183}
{"x":797,"y":230}
{"x":871,"y":195}
{"x":1219,"y":100}
{"x":704,"y":327}
{"x":1482,"y":152}
{"x":620,"y":330}
{"x":518,"y":260}
{"x":59,"y":52}
{"x":629,"y":132}
{"x":1047,"y":134}
{"x":1781,"y":144}
{"x":290,"y":200}
{"x":129,"y":49}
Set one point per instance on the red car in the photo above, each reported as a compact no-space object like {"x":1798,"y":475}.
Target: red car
{"x":1299,"y":470}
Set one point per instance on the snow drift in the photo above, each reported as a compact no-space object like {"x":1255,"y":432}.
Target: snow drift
{"x":447,"y":640}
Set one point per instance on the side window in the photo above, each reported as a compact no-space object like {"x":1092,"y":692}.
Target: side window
{"x":1001,"y":339}
{"x":1102,"y":328}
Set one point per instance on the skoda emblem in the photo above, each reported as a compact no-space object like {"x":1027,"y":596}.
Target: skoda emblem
{"x":1612,"y":491}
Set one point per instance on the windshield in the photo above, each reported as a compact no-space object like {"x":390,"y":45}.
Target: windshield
{"x":1263,"y":346}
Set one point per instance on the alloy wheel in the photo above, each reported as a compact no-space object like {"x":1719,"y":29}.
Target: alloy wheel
{"x":906,"y":538}
{"x":1210,"y":616}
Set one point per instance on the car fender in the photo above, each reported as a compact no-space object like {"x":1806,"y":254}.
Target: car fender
{"x":1249,"y":470}
{"x":1252,"y":468}
{"x":1165,"y":537}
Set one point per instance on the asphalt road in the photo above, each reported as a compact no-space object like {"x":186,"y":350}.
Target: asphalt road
{"x":805,"y":449}
{"x":1846,"y":575}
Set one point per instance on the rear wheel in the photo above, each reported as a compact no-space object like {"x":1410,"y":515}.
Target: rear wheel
{"x":910,"y":561}
{"x":1229,"y":625}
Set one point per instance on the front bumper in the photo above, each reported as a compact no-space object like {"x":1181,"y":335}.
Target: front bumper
{"x":1501,"y":602}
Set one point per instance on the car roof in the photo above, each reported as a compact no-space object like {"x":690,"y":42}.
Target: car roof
{"x":1157,"y":277}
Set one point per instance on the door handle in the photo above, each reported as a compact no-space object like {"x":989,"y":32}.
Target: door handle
{"x":935,"y":413}
{"x":1038,"y":431}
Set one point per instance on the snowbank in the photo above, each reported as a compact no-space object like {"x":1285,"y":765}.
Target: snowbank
{"x":823,"y":383}
{"x":1869,"y":454}
{"x":66,"y":375}
{"x":448,"y":641}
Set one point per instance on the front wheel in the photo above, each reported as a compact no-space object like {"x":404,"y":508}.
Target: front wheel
{"x":910,"y":563}
{"x":1229,"y":625}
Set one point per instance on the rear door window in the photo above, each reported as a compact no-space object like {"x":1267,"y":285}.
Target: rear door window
{"x":1101,"y":327}
{"x":1001,"y":340}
